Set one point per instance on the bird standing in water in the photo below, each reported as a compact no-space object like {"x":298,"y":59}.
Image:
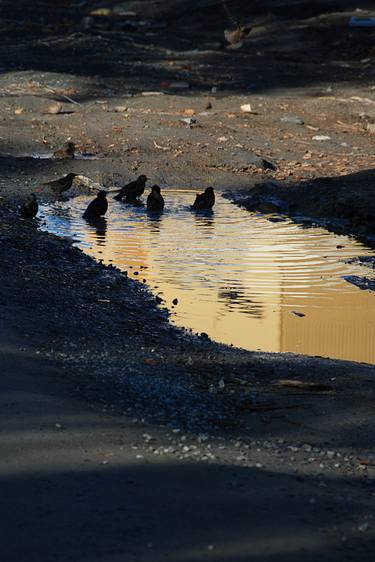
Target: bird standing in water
{"x":132,"y":190}
{"x":30,"y":208}
{"x":66,"y":151}
{"x":204,"y":201}
{"x":98,"y":207}
{"x":155,"y":200}
{"x":62,"y":184}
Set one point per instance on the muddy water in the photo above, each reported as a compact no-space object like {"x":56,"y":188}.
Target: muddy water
{"x":244,"y":280}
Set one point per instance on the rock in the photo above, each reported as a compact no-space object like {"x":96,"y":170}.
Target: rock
{"x":267,"y":165}
{"x":321,"y":138}
{"x":246,"y":108}
{"x":292,"y":120}
{"x":268,"y":207}
{"x":54,"y":108}
{"x":189,"y":120}
{"x":120,"y":108}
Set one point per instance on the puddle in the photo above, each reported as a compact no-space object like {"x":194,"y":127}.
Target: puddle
{"x":237,"y":276}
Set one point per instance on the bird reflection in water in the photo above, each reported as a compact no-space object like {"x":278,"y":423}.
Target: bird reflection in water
{"x":154,"y":220}
{"x":205,"y":220}
{"x":237,"y":298}
{"x":99,"y":224}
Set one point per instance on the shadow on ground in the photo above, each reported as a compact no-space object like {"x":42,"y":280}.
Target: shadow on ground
{"x":346,"y":202}
{"x":294,"y":44}
{"x":185,"y":513}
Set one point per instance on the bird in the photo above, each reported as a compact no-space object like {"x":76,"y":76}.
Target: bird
{"x":204,"y":201}
{"x":30,"y":208}
{"x":62,"y":184}
{"x":155,"y":200}
{"x":236,"y":36}
{"x":132,"y":190}
{"x":98,"y":206}
{"x":66,"y":151}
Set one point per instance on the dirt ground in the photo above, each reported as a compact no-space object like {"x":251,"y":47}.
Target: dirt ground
{"x":122,"y":437}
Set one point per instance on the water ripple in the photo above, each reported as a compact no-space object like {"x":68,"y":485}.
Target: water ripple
{"x":237,"y":275}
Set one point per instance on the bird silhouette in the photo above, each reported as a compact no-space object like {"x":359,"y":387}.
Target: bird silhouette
{"x":30,"y":208}
{"x":98,"y":206}
{"x":132,"y":190}
{"x":62,"y":184}
{"x":155,"y":200}
{"x":204,"y":201}
{"x":66,"y":151}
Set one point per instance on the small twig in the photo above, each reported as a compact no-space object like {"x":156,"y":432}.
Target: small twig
{"x":265,"y":408}
{"x":63,"y":96}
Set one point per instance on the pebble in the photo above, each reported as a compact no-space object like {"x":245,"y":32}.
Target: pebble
{"x":321,"y":138}
{"x":292,"y":119}
{"x":189,"y":120}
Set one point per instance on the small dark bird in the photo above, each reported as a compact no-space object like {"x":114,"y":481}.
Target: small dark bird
{"x":132,"y":190}
{"x":66,"y":151}
{"x":204,"y":201}
{"x":98,"y":207}
{"x":30,"y":208}
{"x":62,"y":184}
{"x":155,"y":200}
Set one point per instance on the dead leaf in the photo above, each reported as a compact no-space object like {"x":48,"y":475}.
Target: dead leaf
{"x":103,"y":12}
{"x":151,"y":362}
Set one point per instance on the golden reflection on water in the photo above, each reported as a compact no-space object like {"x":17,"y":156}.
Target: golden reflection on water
{"x":237,"y":276}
